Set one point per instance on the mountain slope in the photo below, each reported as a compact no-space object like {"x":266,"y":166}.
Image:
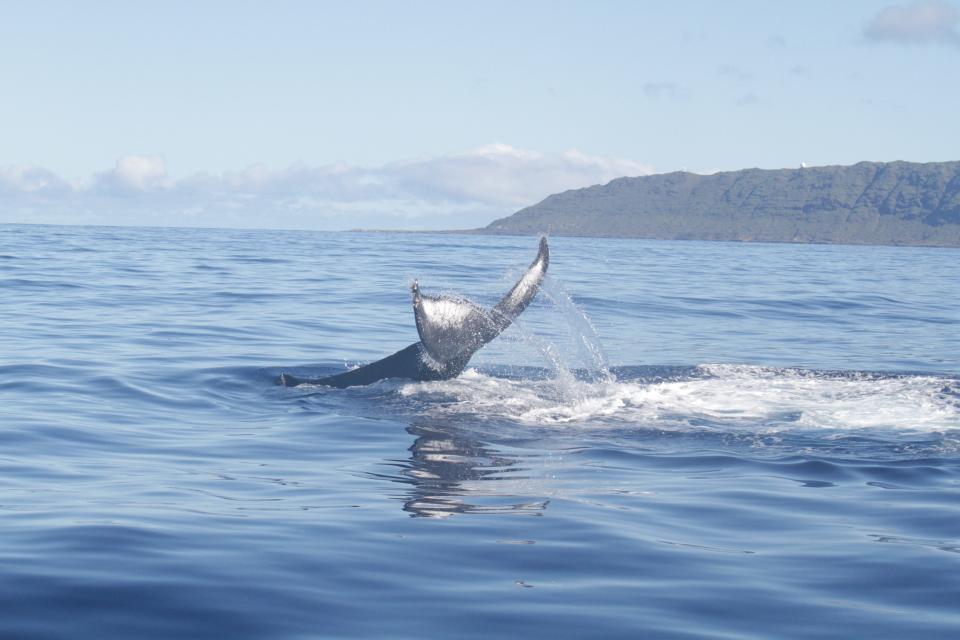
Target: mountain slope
{"x":867,"y":203}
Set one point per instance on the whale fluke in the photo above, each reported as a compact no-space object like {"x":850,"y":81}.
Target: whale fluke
{"x":451,"y":330}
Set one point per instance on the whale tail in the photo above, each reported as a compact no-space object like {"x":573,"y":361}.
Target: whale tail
{"x":451,"y":330}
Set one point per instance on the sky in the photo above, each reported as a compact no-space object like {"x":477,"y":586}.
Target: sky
{"x":445,"y":114}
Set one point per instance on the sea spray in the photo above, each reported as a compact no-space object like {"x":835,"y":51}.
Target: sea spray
{"x":565,"y":341}
{"x":585,"y":335}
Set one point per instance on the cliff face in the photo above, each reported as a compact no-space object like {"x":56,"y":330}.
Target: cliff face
{"x":867,"y":203}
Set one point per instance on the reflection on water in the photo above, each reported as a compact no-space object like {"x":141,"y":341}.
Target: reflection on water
{"x":449,"y":472}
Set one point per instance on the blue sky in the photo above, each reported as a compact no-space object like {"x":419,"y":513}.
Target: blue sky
{"x":445,"y":114}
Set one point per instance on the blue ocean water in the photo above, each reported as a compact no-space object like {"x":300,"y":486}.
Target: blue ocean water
{"x":677,"y":440}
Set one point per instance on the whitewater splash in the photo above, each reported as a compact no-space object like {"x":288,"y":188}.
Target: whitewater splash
{"x":580,"y":388}
{"x":711,"y":396}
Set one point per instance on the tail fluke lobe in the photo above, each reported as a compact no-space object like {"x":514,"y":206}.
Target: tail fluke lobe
{"x":522,"y":293}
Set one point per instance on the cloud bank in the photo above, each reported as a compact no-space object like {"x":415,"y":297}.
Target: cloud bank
{"x":460,"y":190}
{"x":927,"y":21}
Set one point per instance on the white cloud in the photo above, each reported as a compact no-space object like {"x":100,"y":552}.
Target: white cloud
{"x":500,"y":174}
{"x":459,"y":190}
{"x":30,"y":179}
{"x":661,"y":89}
{"x":924,"y":21}
{"x":133,"y":173}
{"x":736,"y":73}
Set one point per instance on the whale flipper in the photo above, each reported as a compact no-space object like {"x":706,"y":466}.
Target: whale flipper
{"x":451,"y":330}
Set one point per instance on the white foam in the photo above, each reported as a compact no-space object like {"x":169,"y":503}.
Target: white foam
{"x":734,"y":396}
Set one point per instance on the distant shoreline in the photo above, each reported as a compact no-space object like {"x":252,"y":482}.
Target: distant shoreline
{"x":482,"y":232}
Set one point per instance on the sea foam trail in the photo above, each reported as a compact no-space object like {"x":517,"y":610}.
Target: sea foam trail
{"x":715,"y":396}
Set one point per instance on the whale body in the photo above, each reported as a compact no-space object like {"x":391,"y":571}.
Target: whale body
{"x":451,"y":330}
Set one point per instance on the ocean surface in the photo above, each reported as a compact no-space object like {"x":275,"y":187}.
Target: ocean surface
{"x":677,"y":440}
